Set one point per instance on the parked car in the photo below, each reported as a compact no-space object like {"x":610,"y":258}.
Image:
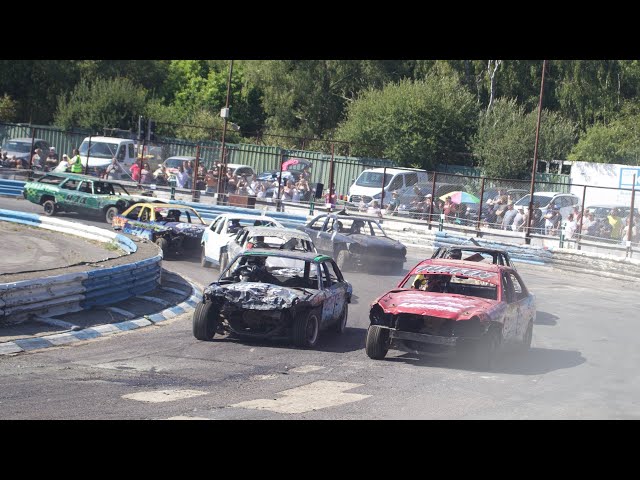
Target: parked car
{"x":176,"y":229}
{"x":355,"y":242}
{"x":83,"y":194}
{"x":471,"y":253}
{"x":409,"y":196}
{"x":21,"y":148}
{"x":256,"y":297}
{"x":369,"y":184}
{"x":267,"y":238}
{"x":548,"y":200}
{"x":443,"y":304}
{"x":173,"y":164}
{"x":240,"y":170}
{"x":222,"y":229}
{"x":603,"y":210}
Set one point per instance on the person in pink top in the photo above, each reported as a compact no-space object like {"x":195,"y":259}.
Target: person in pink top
{"x":135,"y":172}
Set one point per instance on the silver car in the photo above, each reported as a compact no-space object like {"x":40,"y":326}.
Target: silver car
{"x":267,"y":238}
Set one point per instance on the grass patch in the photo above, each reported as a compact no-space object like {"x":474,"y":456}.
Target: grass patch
{"x":112,"y":245}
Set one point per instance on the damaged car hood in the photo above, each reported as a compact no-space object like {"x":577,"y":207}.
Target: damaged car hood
{"x":258,"y":296}
{"x":450,"y":306}
{"x":187,"y":229}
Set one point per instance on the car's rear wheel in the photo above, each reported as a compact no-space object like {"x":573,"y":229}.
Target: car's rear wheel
{"x":49,"y":208}
{"x":377,"y":342}
{"x":203,"y":261}
{"x":205,"y":321}
{"x":163,"y":243}
{"x":110,"y":213}
{"x":343,"y":259}
{"x":341,"y":324}
{"x":306,"y":329}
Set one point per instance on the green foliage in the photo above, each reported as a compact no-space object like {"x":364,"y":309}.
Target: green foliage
{"x":505,"y":140}
{"x":617,"y":142}
{"x":116,"y":102}
{"x":415,"y":123}
{"x":7,"y":109}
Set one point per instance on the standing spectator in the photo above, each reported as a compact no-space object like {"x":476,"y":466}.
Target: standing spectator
{"x":145,"y":174}
{"x":587,"y":220}
{"x":211,"y":182}
{"x":63,"y":166}
{"x":331,"y":199}
{"x":537,"y":222}
{"x":374,"y":209}
{"x":570,"y":229}
{"x":52,"y":159}
{"x":518,"y":221}
{"x":36,"y":159}
{"x":114,"y":170}
{"x":287,"y":192}
{"x":616,"y":224}
{"x":232,"y":182}
{"x":509,"y":216}
{"x":303,"y":188}
{"x":634,"y":230}
{"x":135,"y":171}
{"x":260,"y":190}
{"x":160,"y":175}
{"x":242,"y":189}
{"x":5,"y":159}
{"x":552,"y":221}
{"x":188,"y":170}
{"x":76,"y":162}
{"x":181,"y":177}
{"x":394,"y":204}
{"x":490,"y":217}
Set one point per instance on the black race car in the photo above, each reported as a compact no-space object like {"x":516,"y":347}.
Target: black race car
{"x":356,"y":242}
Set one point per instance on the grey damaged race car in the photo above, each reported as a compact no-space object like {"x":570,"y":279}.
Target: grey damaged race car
{"x":275,"y":294}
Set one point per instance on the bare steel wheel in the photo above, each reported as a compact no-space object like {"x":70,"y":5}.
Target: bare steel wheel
{"x":49,"y":208}
{"x":110,"y":213}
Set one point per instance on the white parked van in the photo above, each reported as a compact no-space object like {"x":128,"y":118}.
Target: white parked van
{"x":368,"y":185}
{"x":103,"y":149}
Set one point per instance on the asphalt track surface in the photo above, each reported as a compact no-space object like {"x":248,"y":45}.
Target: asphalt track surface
{"x":583,"y":365}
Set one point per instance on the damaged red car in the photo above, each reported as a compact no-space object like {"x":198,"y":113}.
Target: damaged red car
{"x":472,"y":308}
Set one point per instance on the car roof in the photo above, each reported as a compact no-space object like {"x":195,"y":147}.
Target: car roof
{"x":306,"y":256}
{"x":25,"y":140}
{"x":80,"y":176}
{"x":275,"y":231}
{"x":246,"y":216}
{"x":486,"y":267}
{"x":180,"y":157}
{"x":394,"y":170}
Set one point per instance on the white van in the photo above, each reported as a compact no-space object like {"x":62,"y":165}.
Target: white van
{"x":103,"y":149}
{"x":368,"y":185}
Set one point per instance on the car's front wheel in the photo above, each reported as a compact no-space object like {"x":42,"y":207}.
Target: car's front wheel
{"x":110,"y":213}
{"x":377,"y":342}
{"x":306,"y":329}
{"x":343,"y":259}
{"x":49,"y":208}
{"x":205,"y":321}
{"x":163,"y":243}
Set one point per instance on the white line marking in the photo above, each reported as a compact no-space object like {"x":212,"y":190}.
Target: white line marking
{"x":314,"y":396}
{"x":163,"y":395}
{"x":124,"y":313}
{"x":56,"y":322}
{"x":183,"y":417}
{"x":306,"y":369}
{"x":270,"y":376}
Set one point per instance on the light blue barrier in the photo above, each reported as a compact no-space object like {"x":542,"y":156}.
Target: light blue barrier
{"x":50,"y":296}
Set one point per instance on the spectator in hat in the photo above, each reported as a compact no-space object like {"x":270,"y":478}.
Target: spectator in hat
{"x":616,"y":224}
{"x":518,"y":220}
{"x":394,"y":204}
{"x":63,"y":166}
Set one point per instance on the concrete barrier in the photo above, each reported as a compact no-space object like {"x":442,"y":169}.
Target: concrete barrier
{"x":50,"y":296}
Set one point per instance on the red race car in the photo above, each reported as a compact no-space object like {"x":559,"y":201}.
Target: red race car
{"x":442,"y":304}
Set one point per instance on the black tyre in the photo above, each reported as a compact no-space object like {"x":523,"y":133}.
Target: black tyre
{"x":343,"y":260}
{"x":377,"y":343}
{"x":49,"y":208}
{"x":164,"y":245}
{"x":306,"y":329}
{"x":224,"y":260}
{"x":203,"y":261}
{"x":528,"y":336}
{"x":110,"y":213}
{"x":205,"y":321}
{"x":487,"y":350}
{"x":341,"y":324}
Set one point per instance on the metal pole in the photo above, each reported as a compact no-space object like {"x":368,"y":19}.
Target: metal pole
{"x":86,"y":167}
{"x":278,"y":200}
{"x":584,"y":194}
{"x":223,"y":160}
{"x":535,"y":158}
{"x":433,"y":197}
{"x":384,"y":176}
{"x":331,"y":168}
{"x":195,"y":175}
{"x":33,"y":142}
{"x":630,"y":222}
{"x":480,"y":205}
{"x":141,"y":160}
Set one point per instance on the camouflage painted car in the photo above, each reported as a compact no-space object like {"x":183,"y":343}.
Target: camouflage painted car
{"x":176,"y":229}
{"x":83,"y":194}
{"x":275,"y":294}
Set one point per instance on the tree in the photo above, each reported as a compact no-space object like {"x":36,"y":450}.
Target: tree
{"x":7,"y":109}
{"x":414,"y":123}
{"x":116,"y":102}
{"x":505,"y":139}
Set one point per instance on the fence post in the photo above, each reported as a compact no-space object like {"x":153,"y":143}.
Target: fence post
{"x":441,"y":223}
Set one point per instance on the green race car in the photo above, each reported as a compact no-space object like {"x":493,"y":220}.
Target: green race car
{"x":83,"y":194}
